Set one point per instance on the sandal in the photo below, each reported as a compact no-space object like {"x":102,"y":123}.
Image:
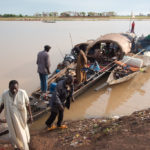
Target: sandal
{"x":63,"y":127}
{"x":52,"y":128}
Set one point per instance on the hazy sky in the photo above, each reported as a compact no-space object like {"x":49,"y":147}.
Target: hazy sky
{"x":30,"y":7}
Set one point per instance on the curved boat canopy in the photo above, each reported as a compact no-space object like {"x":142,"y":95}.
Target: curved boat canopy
{"x":82,"y":46}
{"x":117,"y":38}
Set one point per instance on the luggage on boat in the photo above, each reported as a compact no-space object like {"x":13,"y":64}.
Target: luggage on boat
{"x":57,"y":70}
{"x":69,"y":58}
{"x":95,"y":67}
{"x":135,"y":62}
{"x":127,"y":66}
{"x":52,"y":87}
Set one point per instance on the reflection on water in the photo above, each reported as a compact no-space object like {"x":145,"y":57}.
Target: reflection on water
{"x":125,"y":91}
{"x":21,"y":41}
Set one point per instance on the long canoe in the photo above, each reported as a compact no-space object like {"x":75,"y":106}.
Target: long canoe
{"x":145,"y":63}
{"x":111,"y":80}
{"x":39,"y":107}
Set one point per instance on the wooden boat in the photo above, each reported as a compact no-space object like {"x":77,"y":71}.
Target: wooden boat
{"x":111,"y":80}
{"x":49,"y":21}
{"x":39,"y":107}
{"x":92,"y":80}
{"x":144,"y":64}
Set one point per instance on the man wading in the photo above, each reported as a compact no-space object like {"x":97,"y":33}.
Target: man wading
{"x":43,"y":62}
{"x":15,"y":101}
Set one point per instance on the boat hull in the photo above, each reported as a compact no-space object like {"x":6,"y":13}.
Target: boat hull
{"x":112,"y":81}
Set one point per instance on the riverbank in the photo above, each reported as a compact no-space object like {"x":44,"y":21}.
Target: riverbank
{"x":86,"y":18}
{"x":127,"y":132}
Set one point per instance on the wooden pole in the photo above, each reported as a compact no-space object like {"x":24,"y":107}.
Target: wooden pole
{"x":71,"y":39}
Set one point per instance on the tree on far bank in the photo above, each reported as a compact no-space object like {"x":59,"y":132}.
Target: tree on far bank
{"x":82,"y":14}
{"x":20,"y":15}
{"x":53,"y":14}
{"x":92,"y":14}
{"x":65,"y":14}
{"x":9,"y":15}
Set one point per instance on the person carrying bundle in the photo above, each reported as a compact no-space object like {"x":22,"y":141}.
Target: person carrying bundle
{"x":60,"y":99}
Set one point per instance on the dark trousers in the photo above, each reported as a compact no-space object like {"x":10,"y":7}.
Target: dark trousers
{"x":52,"y":117}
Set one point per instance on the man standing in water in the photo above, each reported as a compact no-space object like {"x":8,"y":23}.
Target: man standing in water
{"x":15,"y":101}
{"x":43,"y":62}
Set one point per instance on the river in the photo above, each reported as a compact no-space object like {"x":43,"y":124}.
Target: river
{"x":21,"y":41}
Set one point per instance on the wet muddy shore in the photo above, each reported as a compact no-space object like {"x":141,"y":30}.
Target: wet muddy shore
{"x":127,"y":132}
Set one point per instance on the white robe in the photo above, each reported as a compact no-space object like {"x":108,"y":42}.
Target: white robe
{"x":16,"y":117}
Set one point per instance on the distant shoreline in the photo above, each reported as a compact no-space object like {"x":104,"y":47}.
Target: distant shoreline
{"x":138,"y":18}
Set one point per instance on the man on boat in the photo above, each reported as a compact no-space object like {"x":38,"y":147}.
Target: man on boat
{"x":15,"y":101}
{"x":60,"y":99}
{"x":81,"y":66}
{"x":43,"y":62}
{"x":132,"y":27}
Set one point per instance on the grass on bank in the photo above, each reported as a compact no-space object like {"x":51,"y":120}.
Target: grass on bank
{"x":86,"y":18}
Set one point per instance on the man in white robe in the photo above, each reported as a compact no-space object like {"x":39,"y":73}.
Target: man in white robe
{"x":15,"y":101}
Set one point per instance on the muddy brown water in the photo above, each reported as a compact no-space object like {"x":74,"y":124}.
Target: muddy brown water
{"x":115,"y":100}
{"x":21,"y":41}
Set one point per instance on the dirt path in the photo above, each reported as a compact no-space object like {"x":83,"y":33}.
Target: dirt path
{"x":127,"y":133}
